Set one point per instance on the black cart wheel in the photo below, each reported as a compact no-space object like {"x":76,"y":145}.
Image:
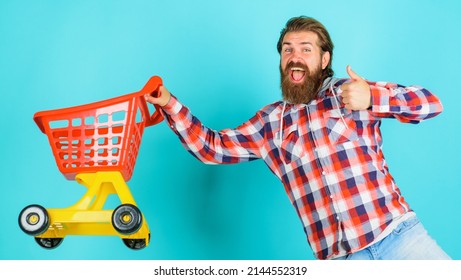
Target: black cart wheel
{"x":127,"y":219}
{"x":49,"y":243}
{"x":135,"y":244}
{"x":34,"y":220}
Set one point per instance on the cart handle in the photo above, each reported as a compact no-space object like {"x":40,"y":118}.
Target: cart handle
{"x":151,"y":87}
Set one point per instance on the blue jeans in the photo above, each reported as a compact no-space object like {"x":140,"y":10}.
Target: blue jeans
{"x":409,"y":241}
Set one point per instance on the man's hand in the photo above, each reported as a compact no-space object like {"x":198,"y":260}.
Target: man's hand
{"x":162,"y":100}
{"x":355,"y":93}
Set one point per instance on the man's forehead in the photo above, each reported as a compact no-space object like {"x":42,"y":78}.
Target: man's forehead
{"x":300,"y":37}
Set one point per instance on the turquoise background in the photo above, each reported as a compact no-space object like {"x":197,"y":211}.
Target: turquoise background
{"x":220,"y":59}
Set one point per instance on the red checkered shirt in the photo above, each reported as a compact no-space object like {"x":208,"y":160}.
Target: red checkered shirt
{"x":328,"y":158}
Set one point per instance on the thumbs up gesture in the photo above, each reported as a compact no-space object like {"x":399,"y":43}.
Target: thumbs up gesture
{"x":356,"y":92}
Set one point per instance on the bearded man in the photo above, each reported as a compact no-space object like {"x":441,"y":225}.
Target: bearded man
{"x":323,"y":141}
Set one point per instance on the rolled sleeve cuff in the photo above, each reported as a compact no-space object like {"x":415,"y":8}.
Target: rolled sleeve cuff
{"x":173,"y":107}
{"x":176,"y":115}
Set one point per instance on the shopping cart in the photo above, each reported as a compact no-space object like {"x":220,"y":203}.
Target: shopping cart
{"x":95,"y":144}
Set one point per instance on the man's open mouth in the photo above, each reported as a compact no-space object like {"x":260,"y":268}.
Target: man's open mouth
{"x":297,"y":74}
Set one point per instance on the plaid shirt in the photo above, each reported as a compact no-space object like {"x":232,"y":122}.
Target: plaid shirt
{"x":328,"y":158}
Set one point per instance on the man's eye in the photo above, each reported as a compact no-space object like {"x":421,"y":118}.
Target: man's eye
{"x":288,"y":50}
{"x":307,"y":50}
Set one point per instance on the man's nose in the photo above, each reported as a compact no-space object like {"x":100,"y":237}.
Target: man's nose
{"x":296,"y":56}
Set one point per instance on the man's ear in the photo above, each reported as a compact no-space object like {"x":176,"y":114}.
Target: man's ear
{"x":325,"y":59}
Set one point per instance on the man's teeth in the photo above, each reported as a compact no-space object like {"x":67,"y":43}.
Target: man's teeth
{"x":296,"y":69}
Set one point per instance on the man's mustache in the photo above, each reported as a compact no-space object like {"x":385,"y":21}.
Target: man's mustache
{"x":292,"y":64}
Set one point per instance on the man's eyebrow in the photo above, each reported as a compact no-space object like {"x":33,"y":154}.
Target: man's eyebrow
{"x":302,"y":43}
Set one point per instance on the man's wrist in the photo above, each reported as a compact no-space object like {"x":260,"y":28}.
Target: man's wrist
{"x":167,"y":102}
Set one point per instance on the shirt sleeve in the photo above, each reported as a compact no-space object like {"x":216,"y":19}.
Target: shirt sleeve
{"x":215,"y":147}
{"x":410,"y":104}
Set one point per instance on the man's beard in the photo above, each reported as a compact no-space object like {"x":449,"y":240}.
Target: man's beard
{"x":304,"y":92}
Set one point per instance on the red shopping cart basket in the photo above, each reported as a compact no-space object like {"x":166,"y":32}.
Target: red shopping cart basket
{"x":100,"y":136}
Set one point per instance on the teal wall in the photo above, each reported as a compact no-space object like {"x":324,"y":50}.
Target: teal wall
{"x":220,"y":59}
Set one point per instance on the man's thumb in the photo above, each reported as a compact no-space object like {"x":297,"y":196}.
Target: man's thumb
{"x":352,"y":74}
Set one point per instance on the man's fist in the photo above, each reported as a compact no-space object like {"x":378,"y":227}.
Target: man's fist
{"x":356,"y":92}
{"x":162,"y":99}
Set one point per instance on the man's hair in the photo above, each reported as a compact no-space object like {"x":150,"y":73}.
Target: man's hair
{"x":303,"y":23}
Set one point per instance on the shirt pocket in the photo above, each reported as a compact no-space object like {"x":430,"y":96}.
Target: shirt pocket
{"x":340,"y":126}
{"x":292,"y":147}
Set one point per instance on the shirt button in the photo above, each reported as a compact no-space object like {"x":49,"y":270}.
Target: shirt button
{"x":324,"y":172}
